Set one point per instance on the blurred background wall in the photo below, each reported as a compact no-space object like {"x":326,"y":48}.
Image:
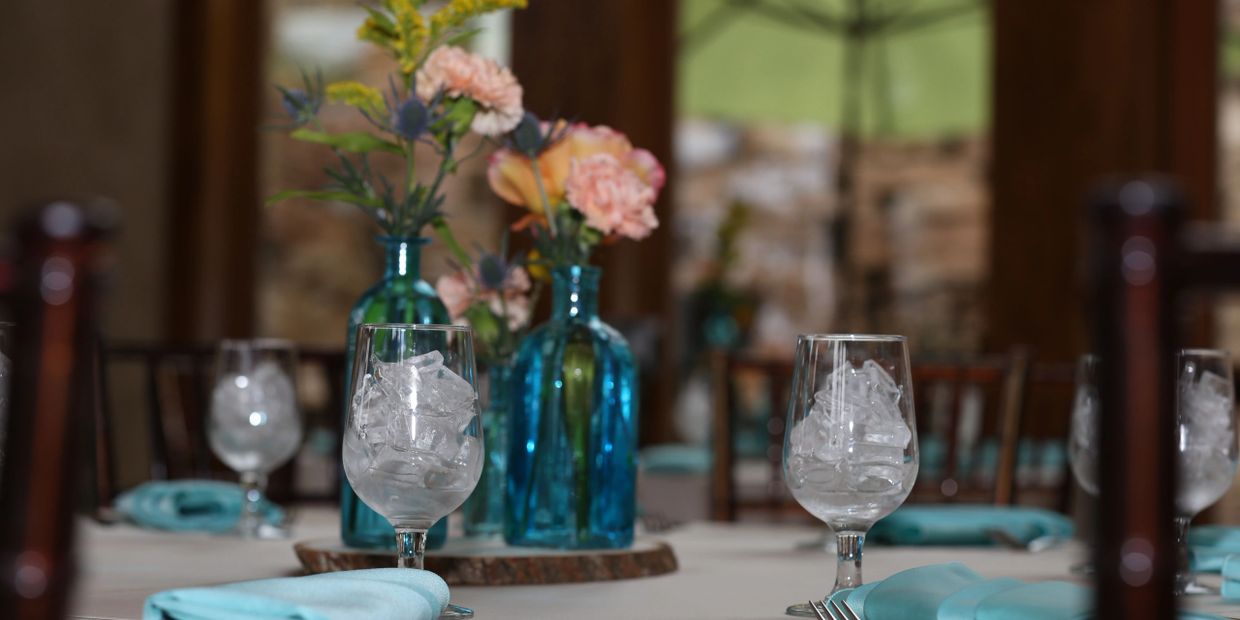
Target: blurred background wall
{"x":826,"y":174}
{"x":85,"y":110}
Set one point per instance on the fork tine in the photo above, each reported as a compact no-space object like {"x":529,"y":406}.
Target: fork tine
{"x":819,"y":610}
{"x":844,"y":610}
{"x":855,"y":615}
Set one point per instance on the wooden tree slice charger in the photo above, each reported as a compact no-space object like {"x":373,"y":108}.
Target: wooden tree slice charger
{"x":466,"y":562}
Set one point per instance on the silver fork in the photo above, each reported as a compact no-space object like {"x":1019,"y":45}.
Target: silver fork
{"x":834,"y":610}
{"x":820,"y":610}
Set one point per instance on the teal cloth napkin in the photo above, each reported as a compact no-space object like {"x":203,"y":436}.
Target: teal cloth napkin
{"x":374,"y":594}
{"x":960,"y":524}
{"x":188,"y":505}
{"x":954,"y":592}
{"x":1231,"y":578}
{"x":676,"y":459}
{"x":1210,"y":545}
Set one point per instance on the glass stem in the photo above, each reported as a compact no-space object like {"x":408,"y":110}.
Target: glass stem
{"x":848,"y":547}
{"x":1184,"y":573}
{"x":410,"y":547}
{"x":252,"y":484}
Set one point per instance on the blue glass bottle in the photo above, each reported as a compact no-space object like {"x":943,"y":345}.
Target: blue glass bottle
{"x":484,"y":510}
{"x":572,"y":463}
{"x":402,"y":296}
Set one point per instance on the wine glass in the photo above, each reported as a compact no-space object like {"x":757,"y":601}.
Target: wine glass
{"x":413,"y":447}
{"x":1205,"y":442}
{"x":254,"y":426}
{"x":850,"y":444}
{"x":1083,"y":440}
{"x":6,"y":377}
{"x":1083,"y":437}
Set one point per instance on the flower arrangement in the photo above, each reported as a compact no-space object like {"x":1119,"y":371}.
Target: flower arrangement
{"x":438,"y":95}
{"x":583,"y":185}
{"x":496,"y":296}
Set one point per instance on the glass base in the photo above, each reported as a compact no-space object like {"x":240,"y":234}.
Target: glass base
{"x":1196,"y":588}
{"x":263,"y":531}
{"x":801,"y":610}
{"x":451,"y":612}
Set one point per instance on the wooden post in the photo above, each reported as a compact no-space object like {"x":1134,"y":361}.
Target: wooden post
{"x":1082,"y":90}
{"x":212,"y":194}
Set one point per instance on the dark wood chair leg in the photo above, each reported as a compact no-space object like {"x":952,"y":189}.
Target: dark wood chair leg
{"x":723,"y":500}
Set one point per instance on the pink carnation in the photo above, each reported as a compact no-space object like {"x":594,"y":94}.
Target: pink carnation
{"x":460,"y":290}
{"x":612,"y":197}
{"x":456,"y":292}
{"x":459,"y":73}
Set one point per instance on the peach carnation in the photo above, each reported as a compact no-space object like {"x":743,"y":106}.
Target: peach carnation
{"x":511,"y":175}
{"x":459,"y":73}
{"x":613,"y":198}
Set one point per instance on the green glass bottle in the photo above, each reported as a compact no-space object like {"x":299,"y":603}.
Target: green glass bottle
{"x":402,"y":296}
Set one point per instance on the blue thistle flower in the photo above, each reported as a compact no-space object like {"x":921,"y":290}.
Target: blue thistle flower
{"x":411,"y":119}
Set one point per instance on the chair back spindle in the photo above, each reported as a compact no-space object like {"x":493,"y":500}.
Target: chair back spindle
{"x":52,"y":395}
{"x":1134,"y":261}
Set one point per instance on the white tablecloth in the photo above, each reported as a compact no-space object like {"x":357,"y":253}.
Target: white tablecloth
{"x":726,"y":572}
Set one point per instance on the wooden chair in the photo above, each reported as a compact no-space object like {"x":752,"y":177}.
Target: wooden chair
{"x":998,"y":382}
{"x":984,"y":399}
{"x":53,"y":297}
{"x":175,"y":387}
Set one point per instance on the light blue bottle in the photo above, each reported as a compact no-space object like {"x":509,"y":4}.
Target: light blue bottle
{"x":572,"y":460}
{"x":402,"y":296}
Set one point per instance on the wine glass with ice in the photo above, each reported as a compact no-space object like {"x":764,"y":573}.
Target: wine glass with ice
{"x":1205,"y":442}
{"x":254,"y":426}
{"x":850,"y":444}
{"x":413,"y":441}
{"x":1083,"y":440}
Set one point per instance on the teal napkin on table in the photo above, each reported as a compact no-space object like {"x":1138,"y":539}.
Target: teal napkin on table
{"x":188,"y":505}
{"x":676,"y":459}
{"x":1209,"y":546}
{"x":1231,"y":578}
{"x":374,"y":594}
{"x":954,"y":592}
{"x":960,"y":524}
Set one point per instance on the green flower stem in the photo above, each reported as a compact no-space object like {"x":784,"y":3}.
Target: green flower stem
{"x":542,"y":195}
{"x":411,"y":180}
{"x":578,"y":372}
{"x":444,"y":232}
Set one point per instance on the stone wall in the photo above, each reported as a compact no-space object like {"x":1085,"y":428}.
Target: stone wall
{"x":916,"y":253}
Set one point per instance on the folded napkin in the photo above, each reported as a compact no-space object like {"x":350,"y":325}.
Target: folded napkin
{"x":188,"y":505}
{"x":374,"y":594}
{"x":954,"y":592}
{"x":1210,"y":545}
{"x":676,"y":459}
{"x":960,"y":524}
{"x":1231,"y":578}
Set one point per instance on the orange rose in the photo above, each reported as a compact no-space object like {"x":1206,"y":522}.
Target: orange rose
{"x":511,"y":174}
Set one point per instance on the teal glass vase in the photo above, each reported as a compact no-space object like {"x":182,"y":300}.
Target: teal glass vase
{"x":572,"y":463}
{"x":402,"y":296}
{"x":484,"y":510}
